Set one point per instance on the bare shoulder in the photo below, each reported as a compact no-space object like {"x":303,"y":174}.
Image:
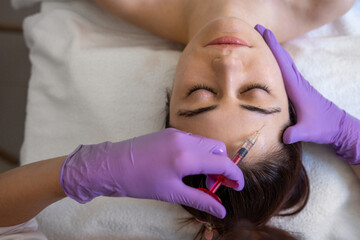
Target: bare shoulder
{"x":292,"y":18}
{"x":162,"y":17}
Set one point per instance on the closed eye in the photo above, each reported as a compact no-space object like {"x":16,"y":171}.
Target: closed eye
{"x":258,"y":86}
{"x":248,"y":88}
{"x":199,"y":87}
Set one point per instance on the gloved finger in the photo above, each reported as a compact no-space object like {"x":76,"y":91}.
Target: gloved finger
{"x":260,"y":29}
{"x":294,"y":83}
{"x":290,"y":136}
{"x":288,"y":68}
{"x":219,"y":149}
{"x":296,"y":133}
{"x":220,"y":165}
{"x":199,"y":200}
{"x":214,"y":146}
{"x":210,"y":181}
{"x":281,"y":55}
{"x":175,"y":130}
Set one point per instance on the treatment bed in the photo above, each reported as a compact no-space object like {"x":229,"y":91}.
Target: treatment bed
{"x":96,"y":78}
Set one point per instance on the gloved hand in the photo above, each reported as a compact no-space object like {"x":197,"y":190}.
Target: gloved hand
{"x":150,"y":167}
{"x":318,"y":119}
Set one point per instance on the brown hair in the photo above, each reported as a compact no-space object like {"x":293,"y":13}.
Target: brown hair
{"x":276,"y":185}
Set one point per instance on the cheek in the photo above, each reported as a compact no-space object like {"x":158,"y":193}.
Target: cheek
{"x":188,"y":57}
{"x":270,"y":64}
{"x":268,"y":71}
{"x":187,"y":69}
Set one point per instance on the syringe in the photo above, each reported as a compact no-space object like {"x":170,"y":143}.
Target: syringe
{"x":239,"y":156}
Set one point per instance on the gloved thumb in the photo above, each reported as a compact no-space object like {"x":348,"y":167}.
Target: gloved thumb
{"x":293,"y":134}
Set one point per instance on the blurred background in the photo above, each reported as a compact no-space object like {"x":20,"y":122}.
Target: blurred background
{"x":14,"y":79}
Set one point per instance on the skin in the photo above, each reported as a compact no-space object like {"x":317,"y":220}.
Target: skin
{"x":26,"y":190}
{"x":229,"y":71}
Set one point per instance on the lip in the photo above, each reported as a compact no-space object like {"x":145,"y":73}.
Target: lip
{"x":228,"y":41}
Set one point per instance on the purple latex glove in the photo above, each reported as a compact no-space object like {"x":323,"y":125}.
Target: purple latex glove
{"x":318,"y":119}
{"x":149,"y":167}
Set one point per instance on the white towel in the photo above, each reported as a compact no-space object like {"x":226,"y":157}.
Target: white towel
{"x":96,"y":78}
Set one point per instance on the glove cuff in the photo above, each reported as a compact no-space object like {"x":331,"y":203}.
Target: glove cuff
{"x":347,"y":142}
{"x":84,"y":174}
{"x":68,"y":179}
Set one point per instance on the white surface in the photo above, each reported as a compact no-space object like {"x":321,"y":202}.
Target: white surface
{"x":96,"y":78}
{"x":24,"y":231}
{"x":18,"y":4}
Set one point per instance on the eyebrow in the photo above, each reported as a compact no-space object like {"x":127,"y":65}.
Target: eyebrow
{"x":261,"y":110}
{"x":192,"y":113}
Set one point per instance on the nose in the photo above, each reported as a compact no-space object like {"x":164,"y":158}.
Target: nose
{"x":228,"y":62}
{"x":229,"y":70}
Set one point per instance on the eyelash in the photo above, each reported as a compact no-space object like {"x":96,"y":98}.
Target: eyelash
{"x":200,"y":86}
{"x":250,"y":87}
{"x":258,"y":85}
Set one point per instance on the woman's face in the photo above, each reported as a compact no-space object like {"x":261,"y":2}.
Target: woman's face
{"x":227,"y":92}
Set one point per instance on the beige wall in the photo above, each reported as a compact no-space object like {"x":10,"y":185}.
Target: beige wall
{"x":14,"y":77}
